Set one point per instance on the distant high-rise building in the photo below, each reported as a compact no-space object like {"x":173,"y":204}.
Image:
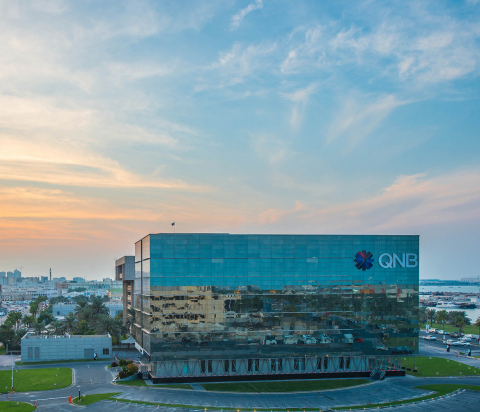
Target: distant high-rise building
{"x":50,"y":273}
{"x":78,"y":280}
{"x":10,"y":275}
{"x":3,"y":274}
{"x":17,"y":273}
{"x":44,"y":279}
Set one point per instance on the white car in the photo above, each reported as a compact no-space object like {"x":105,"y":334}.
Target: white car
{"x":463,"y":343}
{"x":429,"y":337}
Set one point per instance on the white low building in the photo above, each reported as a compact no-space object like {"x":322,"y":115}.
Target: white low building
{"x":35,"y":348}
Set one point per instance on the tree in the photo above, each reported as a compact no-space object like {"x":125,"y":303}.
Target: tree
{"x":41,"y":298}
{"x":83,"y":328}
{"x":442,"y":316}
{"x":80,"y":298}
{"x":106,"y":324}
{"x":97,"y":306}
{"x":12,"y":319}
{"x":58,"y":299}
{"x":46,"y":317}
{"x":130,"y":318}
{"x":431,"y":316}
{"x":34,"y":308}
{"x":70,"y":323}
{"x":39,"y":327}
{"x":28,"y":320}
{"x":56,"y":328}
{"x":460,"y":323}
{"x":477,"y":324}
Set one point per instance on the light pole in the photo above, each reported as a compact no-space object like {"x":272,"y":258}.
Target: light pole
{"x":11,"y":354}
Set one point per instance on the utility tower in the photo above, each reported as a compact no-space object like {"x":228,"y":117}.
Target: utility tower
{"x":50,"y":273}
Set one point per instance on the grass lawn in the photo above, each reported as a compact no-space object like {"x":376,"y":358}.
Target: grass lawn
{"x":178,"y":386}
{"x":429,"y":366}
{"x":13,"y":407}
{"x":27,"y":380}
{"x":468,"y":329}
{"x":284,"y":386}
{"x":136,"y":382}
{"x":2,"y":349}
{"x":89,"y":399}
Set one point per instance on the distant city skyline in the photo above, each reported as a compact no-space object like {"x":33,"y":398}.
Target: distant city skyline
{"x":117,"y":119}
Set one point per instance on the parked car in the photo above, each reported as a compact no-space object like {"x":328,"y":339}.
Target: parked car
{"x":441,"y":332}
{"x":464,"y":343}
{"x":381,"y":347}
{"x":429,"y":337}
{"x":456,"y":335}
{"x":433,"y":330}
{"x":466,"y":339}
{"x":449,"y":342}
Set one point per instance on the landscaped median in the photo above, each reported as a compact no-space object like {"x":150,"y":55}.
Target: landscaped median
{"x":140,"y":382}
{"x":30,"y":380}
{"x":285,"y":386}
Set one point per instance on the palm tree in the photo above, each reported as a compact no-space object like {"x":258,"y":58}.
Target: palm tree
{"x":97,"y":306}
{"x":431,"y":315}
{"x":477,"y":324}
{"x":460,"y":322}
{"x":81,"y":304}
{"x":70,"y":323}
{"x":442,"y":316}
{"x":34,"y":308}
{"x":28,"y":320}
{"x":106,"y":324}
{"x":56,"y":327}
{"x":130,"y":318}
{"x":39,"y":327}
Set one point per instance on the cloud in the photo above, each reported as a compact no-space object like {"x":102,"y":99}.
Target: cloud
{"x":270,"y":148}
{"x":237,"y":18}
{"x":424,"y":45}
{"x":308,"y":51}
{"x":410,"y":203}
{"x":272,"y":216}
{"x":359,"y":117}
{"x":238,"y":63}
{"x":300,"y":100}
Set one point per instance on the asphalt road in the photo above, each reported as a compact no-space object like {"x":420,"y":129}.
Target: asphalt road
{"x":93,"y":377}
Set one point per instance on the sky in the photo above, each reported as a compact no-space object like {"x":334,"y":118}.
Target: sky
{"x":317,"y":117}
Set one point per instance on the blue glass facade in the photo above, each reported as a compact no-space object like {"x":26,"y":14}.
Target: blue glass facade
{"x":210,"y":296}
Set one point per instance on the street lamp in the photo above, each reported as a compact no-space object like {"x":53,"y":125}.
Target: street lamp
{"x":11,"y":354}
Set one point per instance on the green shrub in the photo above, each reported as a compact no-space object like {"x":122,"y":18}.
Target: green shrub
{"x":122,"y":362}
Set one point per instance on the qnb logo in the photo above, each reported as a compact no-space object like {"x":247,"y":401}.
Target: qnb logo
{"x":389,"y":261}
{"x":363,"y":260}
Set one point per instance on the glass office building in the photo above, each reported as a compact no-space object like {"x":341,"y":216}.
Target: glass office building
{"x":223,"y":305}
